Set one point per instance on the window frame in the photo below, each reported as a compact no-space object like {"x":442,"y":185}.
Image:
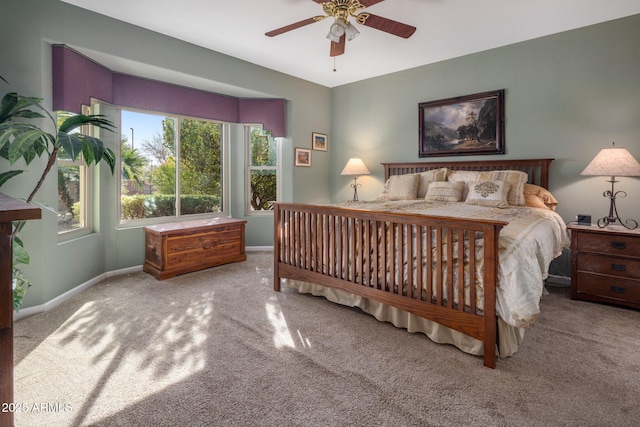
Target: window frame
{"x":85,"y":183}
{"x":248,"y":211}
{"x":135,"y":223}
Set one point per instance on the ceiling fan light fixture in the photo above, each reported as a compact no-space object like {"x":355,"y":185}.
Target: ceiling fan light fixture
{"x":333,"y":38}
{"x":351,"y":31}
{"x":336,"y":31}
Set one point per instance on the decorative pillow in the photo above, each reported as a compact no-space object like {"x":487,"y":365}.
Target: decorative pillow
{"x":538,"y":197}
{"x":467,"y":176}
{"x":428,"y":177}
{"x":488,"y":193}
{"x":445,"y":191}
{"x":516,"y":180}
{"x":403,"y":187}
{"x":533,"y":201}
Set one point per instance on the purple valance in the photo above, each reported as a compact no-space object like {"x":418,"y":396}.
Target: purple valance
{"x":77,"y":79}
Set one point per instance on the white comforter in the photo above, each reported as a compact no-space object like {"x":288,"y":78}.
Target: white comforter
{"x":528,"y":244}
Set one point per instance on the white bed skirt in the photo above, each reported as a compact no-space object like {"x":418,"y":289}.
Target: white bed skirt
{"x":509,"y":337}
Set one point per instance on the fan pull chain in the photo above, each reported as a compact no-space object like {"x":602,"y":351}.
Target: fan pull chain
{"x":334,"y":64}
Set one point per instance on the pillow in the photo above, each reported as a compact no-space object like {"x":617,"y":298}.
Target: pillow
{"x":488,"y":193}
{"x":533,"y":201}
{"x":403,"y":187}
{"x":516,"y":180}
{"x":445,"y":191}
{"x":467,"y":176}
{"x":428,"y":177}
{"x":538,"y":197}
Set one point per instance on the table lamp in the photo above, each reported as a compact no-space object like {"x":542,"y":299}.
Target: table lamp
{"x":614,"y":161}
{"x":356,"y":167}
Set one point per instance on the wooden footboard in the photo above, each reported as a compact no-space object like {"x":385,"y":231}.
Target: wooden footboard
{"x":442,"y":269}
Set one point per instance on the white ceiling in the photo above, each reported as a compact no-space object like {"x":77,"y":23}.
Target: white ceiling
{"x":445,"y":29}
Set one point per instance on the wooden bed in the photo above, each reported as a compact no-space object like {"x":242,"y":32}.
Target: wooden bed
{"x":364,"y":252}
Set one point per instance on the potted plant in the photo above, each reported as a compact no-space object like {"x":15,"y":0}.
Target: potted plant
{"x":20,"y":139}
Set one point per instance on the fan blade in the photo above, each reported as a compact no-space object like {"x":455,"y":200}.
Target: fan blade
{"x":389,"y":26}
{"x":337,"y":49}
{"x":367,"y":3}
{"x":294,"y":26}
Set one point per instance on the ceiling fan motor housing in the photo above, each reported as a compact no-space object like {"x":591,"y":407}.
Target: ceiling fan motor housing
{"x":342,"y":9}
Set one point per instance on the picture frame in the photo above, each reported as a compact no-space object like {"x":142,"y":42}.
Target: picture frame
{"x":302,"y":157}
{"x":319,"y":141}
{"x":464,"y":125}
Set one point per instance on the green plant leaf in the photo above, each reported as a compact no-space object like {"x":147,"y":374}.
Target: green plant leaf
{"x":79,"y":120}
{"x":93,"y":146}
{"x":6,"y":176}
{"x":22,"y":143}
{"x":110,"y":157}
{"x":14,"y":105}
{"x":20,"y":255}
{"x":71,"y":144}
{"x":20,"y":285}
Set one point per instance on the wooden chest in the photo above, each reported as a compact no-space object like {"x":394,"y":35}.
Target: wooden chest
{"x":181,"y":247}
{"x":605,"y":265}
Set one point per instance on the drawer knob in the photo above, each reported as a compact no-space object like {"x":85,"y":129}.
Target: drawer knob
{"x":619,"y":245}
{"x":618,"y":289}
{"x":618,"y":267}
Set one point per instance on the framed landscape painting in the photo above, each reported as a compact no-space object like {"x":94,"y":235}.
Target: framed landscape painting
{"x":319,"y":141}
{"x":465,"y":125}
{"x":302,"y":157}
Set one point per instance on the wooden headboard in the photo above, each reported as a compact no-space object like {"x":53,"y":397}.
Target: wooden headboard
{"x":537,"y":169}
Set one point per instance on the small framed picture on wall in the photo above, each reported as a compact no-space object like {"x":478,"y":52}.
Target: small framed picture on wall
{"x":319,"y":141}
{"x":303,"y":157}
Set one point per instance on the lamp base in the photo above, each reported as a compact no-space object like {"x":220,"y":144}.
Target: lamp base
{"x":355,"y":186}
{"x":613,"y":217}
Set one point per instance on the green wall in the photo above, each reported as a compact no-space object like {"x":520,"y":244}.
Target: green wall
{"x":29,"y":27}
{"x":567,"y":96}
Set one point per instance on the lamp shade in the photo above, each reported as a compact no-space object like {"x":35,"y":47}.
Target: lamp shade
{"x":355,"y":166}
{"x":616,"y":161}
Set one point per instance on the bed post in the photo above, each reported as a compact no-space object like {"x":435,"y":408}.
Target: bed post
{"x":276,"y":247}
{"x":491,"y":281}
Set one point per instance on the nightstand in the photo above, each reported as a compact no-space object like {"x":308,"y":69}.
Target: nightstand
{"x":605,"y":265}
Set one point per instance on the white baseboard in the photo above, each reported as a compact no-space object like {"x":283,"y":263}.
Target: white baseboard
{"x":30,"y":311}
{"x":258,"y":248}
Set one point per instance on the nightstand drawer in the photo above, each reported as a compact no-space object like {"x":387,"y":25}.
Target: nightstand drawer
{"x":603,"y":264}
{"x":609,"y":243}
{"x":609,"y":287}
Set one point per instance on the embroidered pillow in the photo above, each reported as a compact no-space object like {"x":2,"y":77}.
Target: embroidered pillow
{"x":403,"y":187}
{"x":516,"y":180}
{"x":428,"y":177}
{"x":445,"y":191}
{"x":488,"y":193}
{"x":467,"y":176}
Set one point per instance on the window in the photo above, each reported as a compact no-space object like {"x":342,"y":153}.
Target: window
{"x":262,"y":171}
{"x":74,"y":181}
{"x":170,"y":166}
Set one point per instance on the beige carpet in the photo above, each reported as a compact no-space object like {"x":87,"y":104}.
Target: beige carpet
{"x":221,"y":348}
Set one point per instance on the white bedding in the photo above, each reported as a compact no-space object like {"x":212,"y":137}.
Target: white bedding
{"x":528,"y":244}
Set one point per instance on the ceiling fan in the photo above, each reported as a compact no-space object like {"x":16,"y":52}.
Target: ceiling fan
{"x":342,"y":30}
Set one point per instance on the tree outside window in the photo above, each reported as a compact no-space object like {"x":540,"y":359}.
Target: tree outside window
{"x":263,"y":169}
{"x":171,"y":166}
